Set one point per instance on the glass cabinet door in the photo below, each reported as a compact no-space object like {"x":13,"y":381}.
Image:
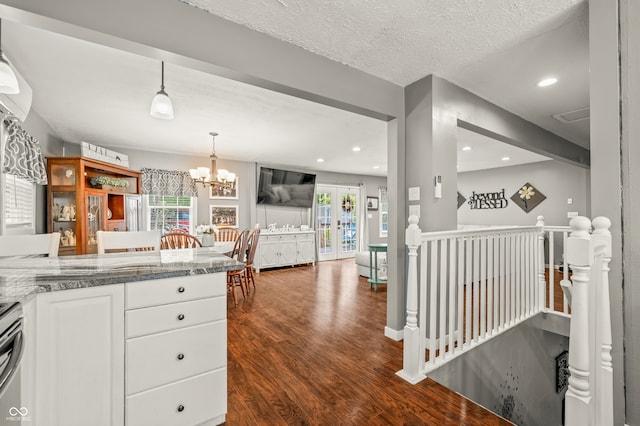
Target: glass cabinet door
{"x":63,"y":217}
{"x":95,"y":221}
{"x":63,"y":175}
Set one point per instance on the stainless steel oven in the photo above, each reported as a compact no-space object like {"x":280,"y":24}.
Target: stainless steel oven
{"x":11,"y":345}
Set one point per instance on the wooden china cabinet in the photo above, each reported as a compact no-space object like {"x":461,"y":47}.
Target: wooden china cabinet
{"x":77,"y":210}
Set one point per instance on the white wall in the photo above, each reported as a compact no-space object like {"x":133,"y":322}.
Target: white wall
{"x":557,"y":180}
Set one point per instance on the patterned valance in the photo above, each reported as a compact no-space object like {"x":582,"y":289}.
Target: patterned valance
{"x":168,"y":182}
{"x":23,"y":157}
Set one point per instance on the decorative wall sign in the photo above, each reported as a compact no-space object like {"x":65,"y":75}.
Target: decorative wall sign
{"x":527,"y":197}
{"x":461,"y":199}
{"x":562,"y":371}
{"x":224,"y":215}
{"x":372,"y":203}
{"x":488,"y":200}
{"x":224,"y":192}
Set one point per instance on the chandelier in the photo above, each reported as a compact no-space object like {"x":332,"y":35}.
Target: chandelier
{"x":220,"y":179}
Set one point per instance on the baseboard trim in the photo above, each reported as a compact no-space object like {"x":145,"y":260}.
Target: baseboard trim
{"x":396,"y":335}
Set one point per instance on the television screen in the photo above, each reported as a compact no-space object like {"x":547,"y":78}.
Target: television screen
{"x":286,"y":188}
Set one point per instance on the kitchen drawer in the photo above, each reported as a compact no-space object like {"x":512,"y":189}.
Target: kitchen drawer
{"x":156,"y":319}
{"x":156,"y":359}
{"x":200,"y":398}
{"x":141,"y":294}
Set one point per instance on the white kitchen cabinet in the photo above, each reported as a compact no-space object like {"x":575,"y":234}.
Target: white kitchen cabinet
{"x":176,"y":351}
{"x":80,"y":357}
{"x":277,"y":249}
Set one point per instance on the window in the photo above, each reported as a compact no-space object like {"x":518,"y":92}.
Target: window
{"x":384,"y":212}
{"x":168,"y":212}
{"x":18,"y":205}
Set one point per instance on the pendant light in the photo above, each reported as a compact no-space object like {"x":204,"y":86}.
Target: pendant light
{"x":8,"y":79}
{"x":161,"y":106}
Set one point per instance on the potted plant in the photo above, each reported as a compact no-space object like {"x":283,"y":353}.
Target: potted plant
{"x":109,"y":183}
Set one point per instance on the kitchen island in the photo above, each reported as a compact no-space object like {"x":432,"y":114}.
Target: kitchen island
{"x":132,"y":338}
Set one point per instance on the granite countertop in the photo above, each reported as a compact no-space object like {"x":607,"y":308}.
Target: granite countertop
{"x":23,"y":276}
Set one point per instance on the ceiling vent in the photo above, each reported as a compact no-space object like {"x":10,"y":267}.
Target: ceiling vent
{"x":573,"y":116}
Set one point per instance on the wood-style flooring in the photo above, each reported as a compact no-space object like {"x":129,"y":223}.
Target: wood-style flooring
{"x":307,"y":348}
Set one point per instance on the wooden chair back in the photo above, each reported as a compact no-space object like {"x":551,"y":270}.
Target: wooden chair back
{"x":178,"y":231}
{"x":138,"y":240}
{"x":252,"y":246}
{"x":239,"y":251}
{"x":30,"y":245}
{"x":227,"y":234}
{"x":179,"y":240}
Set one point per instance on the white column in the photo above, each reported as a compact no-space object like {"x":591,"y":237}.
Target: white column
{"x":604,"y":366}
{"x":580,"y":254}
{"x":413,"y":357}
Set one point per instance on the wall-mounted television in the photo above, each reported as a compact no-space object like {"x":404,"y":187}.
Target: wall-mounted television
{"x":286,"y":188}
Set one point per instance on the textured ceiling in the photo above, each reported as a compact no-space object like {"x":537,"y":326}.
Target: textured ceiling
{"x":399,"y":41}
{"x":497,"y":49}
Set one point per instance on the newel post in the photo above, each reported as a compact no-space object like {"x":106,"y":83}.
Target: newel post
{"x":579,"y":256}
{"x":541,"y":282}
{"x":603,"y":363}
{"x":413,"y":359}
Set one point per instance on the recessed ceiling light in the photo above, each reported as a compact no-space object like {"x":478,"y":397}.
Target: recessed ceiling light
{"x":547,"y":82}
{"x":320,"y":160}
{"x":355,"y":149}
{"x":466,"y":148}
{"x":376,"y":167}
{"x":506,"y":158}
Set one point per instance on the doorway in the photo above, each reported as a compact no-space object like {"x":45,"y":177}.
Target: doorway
{"x":337,"y":221}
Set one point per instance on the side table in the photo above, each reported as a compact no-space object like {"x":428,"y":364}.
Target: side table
{"x":374,"y":249}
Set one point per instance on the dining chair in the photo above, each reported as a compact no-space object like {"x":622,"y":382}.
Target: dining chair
{"x":227,"y":234}
{"x":128,"y":241}
{"x":179,"y":240}
{"x":236,"y":278}
{"x":30,"y":245}
{"x":252,"y":246}
{"x":178,"y":231}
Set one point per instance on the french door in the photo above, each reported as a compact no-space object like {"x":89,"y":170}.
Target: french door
{"x":337,"y":222}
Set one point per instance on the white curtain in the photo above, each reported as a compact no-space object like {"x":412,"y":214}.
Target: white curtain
{"x":363,"y":226}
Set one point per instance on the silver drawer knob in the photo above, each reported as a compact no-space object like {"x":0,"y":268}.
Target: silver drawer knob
{"x":180,"y":408}
{"x":180,"y":357}
{"x":180,"y":289}
{"x":180,"y":317}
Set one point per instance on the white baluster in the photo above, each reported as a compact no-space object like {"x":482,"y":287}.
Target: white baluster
{"x":552,"y":272}
{"x":580,"y":255}
{"x":565,"y":275}
{"x":476,"y":288}
{"x":442,"y":309}
{"x":468,"y":289}
{"x":433,"y":305}
{"x":412,"y":358}
{"x":460,"y":292}
{"x":604,"y":368}
{"x":452,"y":294}
{"x":483,"y":286}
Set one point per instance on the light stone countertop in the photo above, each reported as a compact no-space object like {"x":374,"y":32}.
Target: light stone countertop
{"x":21,"y":277}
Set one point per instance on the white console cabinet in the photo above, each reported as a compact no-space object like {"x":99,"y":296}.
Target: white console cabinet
{"x":285,"y":248}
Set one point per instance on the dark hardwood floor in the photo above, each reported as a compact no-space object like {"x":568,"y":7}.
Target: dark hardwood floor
{"x":307,"y":348}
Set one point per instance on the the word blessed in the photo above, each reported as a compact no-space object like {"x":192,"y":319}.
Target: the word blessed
{"x":488,"y":200}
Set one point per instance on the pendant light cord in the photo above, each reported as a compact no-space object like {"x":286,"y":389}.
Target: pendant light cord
{"x":162,"y":78}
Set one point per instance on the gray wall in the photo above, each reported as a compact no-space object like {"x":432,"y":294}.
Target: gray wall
{"x":558,"y":181}
{"x":607,"y":177}
{"x":249,"y":214}
{"x":50,"y":145}
{"x":492,"y":375}
{"x":630,"y":152}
